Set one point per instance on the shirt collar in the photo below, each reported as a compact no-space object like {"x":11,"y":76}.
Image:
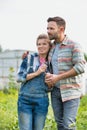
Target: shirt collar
{"x":64,"y":42}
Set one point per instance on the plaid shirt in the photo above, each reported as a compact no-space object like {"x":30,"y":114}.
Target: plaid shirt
{"x":70,"y":56}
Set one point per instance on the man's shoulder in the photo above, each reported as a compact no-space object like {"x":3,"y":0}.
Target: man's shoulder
{"x":71,"y":41}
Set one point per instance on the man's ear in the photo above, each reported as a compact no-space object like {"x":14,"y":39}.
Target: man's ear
{"x":62,"y":29}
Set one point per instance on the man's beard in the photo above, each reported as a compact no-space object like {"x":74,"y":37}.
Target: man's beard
{"x":51,"y":37}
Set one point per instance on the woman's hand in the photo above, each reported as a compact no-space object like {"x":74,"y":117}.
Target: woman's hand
{"x":42,"y":68}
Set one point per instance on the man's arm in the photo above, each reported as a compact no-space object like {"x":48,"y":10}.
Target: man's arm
{"x":53,"y":78}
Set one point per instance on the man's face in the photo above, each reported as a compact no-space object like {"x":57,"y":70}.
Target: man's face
{"x":53,"y":30}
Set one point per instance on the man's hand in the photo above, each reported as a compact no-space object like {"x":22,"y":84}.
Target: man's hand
{"x":51,"y":79}
{"x":48,"y":77}
{"x":25,"y":54}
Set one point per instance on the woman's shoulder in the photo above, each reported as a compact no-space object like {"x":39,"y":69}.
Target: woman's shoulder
{"x":35,"y":54}
{"x":32,"y":56}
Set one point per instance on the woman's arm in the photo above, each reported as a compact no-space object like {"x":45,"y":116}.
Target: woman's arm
{"x":22,"y":71}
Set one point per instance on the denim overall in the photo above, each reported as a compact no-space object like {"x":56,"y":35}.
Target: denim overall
{"x":33,"y":100}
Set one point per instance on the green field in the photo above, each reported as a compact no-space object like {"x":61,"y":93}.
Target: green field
{"x":8,"y":113}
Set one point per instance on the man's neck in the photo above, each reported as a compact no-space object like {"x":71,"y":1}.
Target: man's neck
{"x":59,"y":40}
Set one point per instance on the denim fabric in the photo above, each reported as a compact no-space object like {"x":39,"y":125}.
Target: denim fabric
{"x":64,"y":112}
{"x":35,"y":87}
{"x":33,"y":97}
{"x":32,"y":112}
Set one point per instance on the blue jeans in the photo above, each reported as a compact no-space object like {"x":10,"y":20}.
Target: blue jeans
{"x":32,"y":112}
{"x":64,"y":112}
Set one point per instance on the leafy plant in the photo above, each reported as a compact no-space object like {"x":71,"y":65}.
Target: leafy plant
{"x":82,"y":114}
{"x":85,"y":56}
{"x":9,"y":119}
{"x":8,"y":111}
{"x":12,"y":84}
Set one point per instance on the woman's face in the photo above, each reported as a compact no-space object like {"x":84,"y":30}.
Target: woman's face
{"x":43,"y":46}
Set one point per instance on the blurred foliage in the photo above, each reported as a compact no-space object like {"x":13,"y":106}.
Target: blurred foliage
{"x":9,"y":119}
{"x":8,"y":111}
{"x":85,"y":56}
{"x":1,"y":48}
{"x":12,"y":84}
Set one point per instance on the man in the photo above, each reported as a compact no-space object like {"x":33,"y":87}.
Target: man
{"x":67,"y":61}
{"x":67,"y":64}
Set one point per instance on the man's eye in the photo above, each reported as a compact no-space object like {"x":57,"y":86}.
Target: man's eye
{"x":41,"y":44}
{"x":38,"y":44}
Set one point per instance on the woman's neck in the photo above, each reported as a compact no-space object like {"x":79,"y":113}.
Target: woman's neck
{"x":42,"y":56}
{"x":42,"y":59}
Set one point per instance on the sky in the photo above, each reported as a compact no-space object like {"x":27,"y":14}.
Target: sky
{"x":21,"y":21}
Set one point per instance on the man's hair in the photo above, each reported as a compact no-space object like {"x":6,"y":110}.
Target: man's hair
{"x":60,"y":21}
{"x":43,"y":36}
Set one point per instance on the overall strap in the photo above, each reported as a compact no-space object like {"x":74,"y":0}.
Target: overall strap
{"x":30,"y":64}
{"x":31,"y":61}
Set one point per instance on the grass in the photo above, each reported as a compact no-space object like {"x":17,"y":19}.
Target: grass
{"x":8,"y":113}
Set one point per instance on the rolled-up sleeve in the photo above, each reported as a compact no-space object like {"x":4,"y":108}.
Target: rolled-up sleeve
{"x":78,"y":59}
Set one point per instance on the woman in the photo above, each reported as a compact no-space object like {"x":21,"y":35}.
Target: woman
{"x":33,"y":95}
